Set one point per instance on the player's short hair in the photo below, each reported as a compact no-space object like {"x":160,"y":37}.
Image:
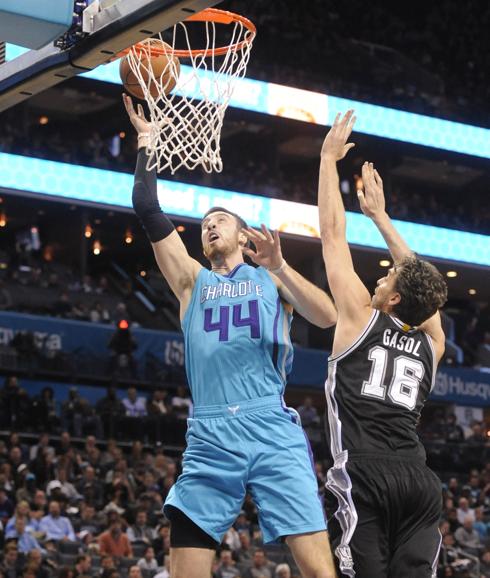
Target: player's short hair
{"x":422,"y":290}
{"x":241,"y":222}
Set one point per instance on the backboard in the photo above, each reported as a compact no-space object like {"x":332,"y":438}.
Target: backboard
{"x":104,"y":28}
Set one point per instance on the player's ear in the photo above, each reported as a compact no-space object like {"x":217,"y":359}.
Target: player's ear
{"x":394,"y":299}
{"x":242,"y":238}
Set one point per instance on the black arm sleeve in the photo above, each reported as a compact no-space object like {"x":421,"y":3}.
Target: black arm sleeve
{"x":145,"y":201}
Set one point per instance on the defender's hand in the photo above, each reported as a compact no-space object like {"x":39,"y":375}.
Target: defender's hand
{"x":335,"y":145}
{"x":267,"y":252}
{"x":372,"y":199}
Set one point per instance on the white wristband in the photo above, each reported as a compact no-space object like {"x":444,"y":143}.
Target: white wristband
{"x":279,"y":269}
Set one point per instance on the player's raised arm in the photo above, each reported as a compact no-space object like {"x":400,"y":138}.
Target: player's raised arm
{"x":178,"y":268}
{"x":372,"y":202}
{"x":350,"y":295}
{"x":308,"y":300}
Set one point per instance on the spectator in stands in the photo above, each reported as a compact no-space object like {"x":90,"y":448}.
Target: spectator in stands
{"x":135,"y":572}
{"x":6,"y":506}
{"x":464,"y":511}
{"x":56,"y":526}
{"x":477,"y":436}
{"x":36,"y":564}
{"x":115,"y":542}
{"x":283,"y":571}
{"x":260,"y":568}
{"x":22,"y":510}
{"x":485,"y":564}
{"x":482,"y":359}
{"x":78,"y":416}
{"x":454,"y":432}
{"x":135,"y":406}
{"x":140,"y":531}
{"x":110,"y":409}
{"x":25,"y":540}
{"x":226,"y":567}
{"x":27,"y":490}
{"x":308,"y":413}
{"x":44,"y":411}
{"x":106,"y":565}
{"x":468,"y":538}
{"x":231,"y":539}
{"x":14,"y":404}
{"x":40,"y":502}
{"x":11,"y":566}
{"x":67,"y":488}
{"x":91,"y":488}
{"x":161,"y":544}
{"x":480,"y":525}
{"x":181,"y":403}
{"x":83,"y":566}
{"x":246,"y":551}
{"x":157,"y":405}
{"x":148,"y":562}
{"x":99,"y":314}
{"x":43,"y":443}
{"x":63,"y":307}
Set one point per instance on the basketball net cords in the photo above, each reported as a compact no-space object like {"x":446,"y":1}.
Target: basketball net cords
{"x":185,"y":130}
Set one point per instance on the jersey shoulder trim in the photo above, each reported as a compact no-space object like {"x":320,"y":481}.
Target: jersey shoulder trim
{"x":359,"y":340}
{"x":434,"y":359}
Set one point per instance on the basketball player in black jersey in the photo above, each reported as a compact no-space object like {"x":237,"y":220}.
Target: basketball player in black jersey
{"x":382,"y":501}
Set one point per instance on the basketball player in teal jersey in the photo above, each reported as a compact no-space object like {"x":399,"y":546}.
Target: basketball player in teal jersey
{"x":241,"y":437}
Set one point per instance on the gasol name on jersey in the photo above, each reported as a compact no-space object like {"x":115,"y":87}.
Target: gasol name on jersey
{"x":230,"y":290}
{"x":395,"y":339}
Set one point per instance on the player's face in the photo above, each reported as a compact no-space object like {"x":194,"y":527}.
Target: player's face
{"x":219,"y":234}
{"x":385,"y":295}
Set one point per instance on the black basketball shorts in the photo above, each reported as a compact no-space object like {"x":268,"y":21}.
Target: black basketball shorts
{"x":383,"y":517}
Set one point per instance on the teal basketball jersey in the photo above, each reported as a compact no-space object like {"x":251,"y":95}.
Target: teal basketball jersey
{"x":237,"y":343}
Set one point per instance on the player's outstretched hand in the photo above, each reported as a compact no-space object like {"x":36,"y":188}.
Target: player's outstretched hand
{"x":267,"y":252}
{"x":335,"y":145}
{"x":137,"y":119}
{"x":372,"y":199}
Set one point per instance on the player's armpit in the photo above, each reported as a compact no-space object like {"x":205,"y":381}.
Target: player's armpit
{"x":175,"y":264}
{"x":433,"y":328}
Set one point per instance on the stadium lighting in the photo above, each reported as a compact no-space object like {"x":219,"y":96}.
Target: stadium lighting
{"x":180,"y":228}
{"x":384,"y":263}
{"x":3,"y":219}
{"x":97,"y":248}
{"x":88,"y":231}
{"x":452,"y":274}
{"x":142,"y":273}
{"x":128,"y":238}
{"x":472,"y":291}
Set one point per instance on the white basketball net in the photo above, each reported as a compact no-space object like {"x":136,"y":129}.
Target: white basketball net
{"x":186,"y":123}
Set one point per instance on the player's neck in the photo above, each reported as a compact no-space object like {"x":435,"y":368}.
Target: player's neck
{"x":224,"y":264}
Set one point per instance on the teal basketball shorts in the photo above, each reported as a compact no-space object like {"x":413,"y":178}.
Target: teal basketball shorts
{"x":256,"y":446}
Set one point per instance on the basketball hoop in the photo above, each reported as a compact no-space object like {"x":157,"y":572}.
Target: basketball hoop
{"x":186,"y":123}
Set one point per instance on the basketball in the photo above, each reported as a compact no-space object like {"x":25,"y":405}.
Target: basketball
{"x":163,"y":70}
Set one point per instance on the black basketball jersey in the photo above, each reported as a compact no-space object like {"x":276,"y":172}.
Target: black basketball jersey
{"x":376,"y":390}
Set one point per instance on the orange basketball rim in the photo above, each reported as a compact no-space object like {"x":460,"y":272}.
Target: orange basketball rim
{"x":208,"y":15}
